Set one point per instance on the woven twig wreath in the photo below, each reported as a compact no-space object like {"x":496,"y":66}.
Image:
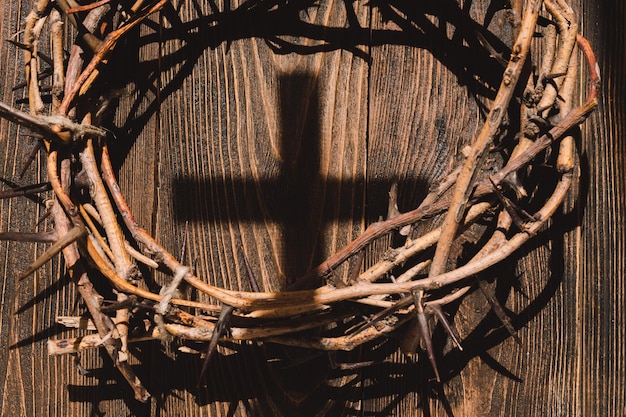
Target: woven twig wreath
{"x":316,"y":312}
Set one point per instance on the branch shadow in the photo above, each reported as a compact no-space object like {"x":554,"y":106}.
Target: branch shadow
{"x":277,"y":23}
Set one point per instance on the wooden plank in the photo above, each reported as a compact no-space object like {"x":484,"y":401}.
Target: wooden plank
{"x":263,"y":153}
{"x":285,"y":151}
{"x":29,"y":382}
{"x":601,"y":280}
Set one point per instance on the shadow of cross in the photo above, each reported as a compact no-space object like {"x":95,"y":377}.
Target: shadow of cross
{"x":301,"y":199}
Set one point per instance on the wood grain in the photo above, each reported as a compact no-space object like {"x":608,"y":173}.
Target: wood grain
{"x":276,"y":133}
{"x":29,"y":381}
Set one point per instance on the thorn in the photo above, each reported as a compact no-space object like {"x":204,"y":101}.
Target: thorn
{"x":223,"y":324}
{"x":555,"y":75}
{"x":20,"y":45}
{"x":34,"y":136}
{"x":40,"y":237}
{"x":32,"y":196}
{"x":19,"y":86}
{"x":392,"y":208}
{"x":31,"y":157}
{"x":131,"y":301}
{"x":513,"y":209}
{"x":49,"y":204}
{"x":356,"y":268}
{"x":498,"y":310}
{"x":492,"y":51}
{"x":253,"y":281}
{"x":26,"y":190}
{"x":422,"y":324}
{"x":435,"y":308}
{"x":41,"y":75}
{"x":25,"y":47}
{"x":403,"y":302}
{"x":70,"y":237}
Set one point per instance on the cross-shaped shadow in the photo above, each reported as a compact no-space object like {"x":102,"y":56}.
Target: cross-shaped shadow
{"x":300,"y":199}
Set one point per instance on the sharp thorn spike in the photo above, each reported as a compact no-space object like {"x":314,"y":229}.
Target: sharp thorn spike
{"x":25,"y":47}
{"x":223,"y":323}
{"x":428,"y":343}
{"x":31,"y":157}
{"x":253,"y":281}
{"x":45,"y":58}
{"x":131,"y":301}
{"x":79,"y":367}
{"x":19,"y":86}
{"x":29,"y":191}
{"x":26,"y":190}
{"x":422,"y":324}
{"x":403,"y":302}
{"x":20,"y":45}
{"x":72,"y":236}
{"x":436,"y":309}
{"x":334,"y":364}
{"x":46,"y":214}
{"x":392,"y":208}
{"x":42,"y":75}
{"x":40,"y":237}
{"x":555,"y":75}
{"x":356,"y":268}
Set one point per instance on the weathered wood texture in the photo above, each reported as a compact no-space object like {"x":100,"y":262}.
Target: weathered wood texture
{"x":277,"y":133}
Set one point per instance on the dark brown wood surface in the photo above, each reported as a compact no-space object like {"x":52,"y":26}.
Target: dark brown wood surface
{"x":276,"y":132}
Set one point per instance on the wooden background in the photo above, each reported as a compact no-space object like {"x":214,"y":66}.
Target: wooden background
{"x":276,"y":131}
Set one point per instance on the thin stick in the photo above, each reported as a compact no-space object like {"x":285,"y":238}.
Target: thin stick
{"x":57,"y":128}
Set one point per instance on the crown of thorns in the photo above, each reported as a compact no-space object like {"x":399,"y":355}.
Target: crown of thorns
{"x":344,"y":313}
